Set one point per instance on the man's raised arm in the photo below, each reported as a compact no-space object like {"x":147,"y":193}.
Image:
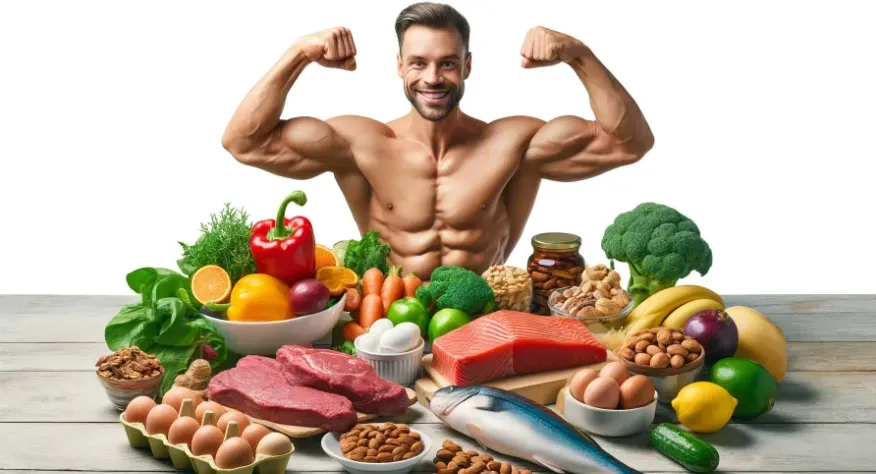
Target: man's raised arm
{"x":571,"y":148}
{"x":301,"y":147}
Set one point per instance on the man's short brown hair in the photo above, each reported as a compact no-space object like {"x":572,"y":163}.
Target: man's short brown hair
{"x":433,"y":15}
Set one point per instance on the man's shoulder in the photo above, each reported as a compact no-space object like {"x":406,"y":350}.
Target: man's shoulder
{"x":361,"y":125}
{"x":516,"y":123}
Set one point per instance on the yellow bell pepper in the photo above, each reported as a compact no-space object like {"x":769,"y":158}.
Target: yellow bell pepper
{"x":257,"y":297}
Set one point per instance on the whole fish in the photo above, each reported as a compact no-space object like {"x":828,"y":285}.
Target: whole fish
{"x":516,"y":426}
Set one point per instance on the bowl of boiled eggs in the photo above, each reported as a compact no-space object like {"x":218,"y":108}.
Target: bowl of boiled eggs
{"x":394,"y":351}
{"x":611,"y":402}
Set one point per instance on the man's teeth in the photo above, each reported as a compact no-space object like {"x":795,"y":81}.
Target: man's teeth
{"x":434,"y":95}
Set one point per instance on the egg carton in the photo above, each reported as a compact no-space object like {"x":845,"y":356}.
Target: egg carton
{"x":182,"y":458}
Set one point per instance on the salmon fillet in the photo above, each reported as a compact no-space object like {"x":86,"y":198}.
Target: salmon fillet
{"x":507,"y":343}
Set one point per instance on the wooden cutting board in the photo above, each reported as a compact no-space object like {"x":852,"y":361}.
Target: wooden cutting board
{"x":305,"y":432}
{"x":541,"y":388}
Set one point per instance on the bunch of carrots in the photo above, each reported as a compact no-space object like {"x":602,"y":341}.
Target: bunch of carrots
{"x":377,"y":294}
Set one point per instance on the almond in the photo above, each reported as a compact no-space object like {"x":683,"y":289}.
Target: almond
{"x":408,"y":455}
{"x":370,"y":459}
{"x":347,"y":446}
{"x":371,"y":452}
{"x":653,"y":350}
{"x":417,"y":447}
{"x":677,"y":349}
{"x":399,"y":450}
{"x":384,"y":457}
{"x":643,"y":359}
{"x":642,"y":345}
{"x":444,"y":455}
{"x":660,"y":361}
{"x":676,"y":361}
{"x":386,"y":448}
{"x":691,"y":345}
{"x":628,"y":354}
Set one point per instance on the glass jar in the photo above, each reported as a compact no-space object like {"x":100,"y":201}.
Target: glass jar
{"x":554,"y":263}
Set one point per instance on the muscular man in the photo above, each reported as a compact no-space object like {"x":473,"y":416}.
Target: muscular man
{"x":441,"y":187}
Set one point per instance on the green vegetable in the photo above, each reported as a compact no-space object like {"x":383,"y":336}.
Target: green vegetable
{"x":457,"y":288}
{"x":660,"y":245}
{"x":367,"y":253}
{"x":347,"y":347}
{"x":224,"y":242}
{"x":684,"y":448}
{"x":409,"y":310}
{"x":165,"y":324}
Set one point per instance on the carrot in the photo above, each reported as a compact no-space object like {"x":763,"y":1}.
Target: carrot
{"x":351,"y":331}
{"x":370,"y":310}
{"x":372,"y":282}
{"x":353,"y":300}
{"x":411,"y":282}
{"x":393,"y":287}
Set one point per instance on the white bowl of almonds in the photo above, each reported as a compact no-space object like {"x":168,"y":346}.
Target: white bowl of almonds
{"x":668,"y":357}
{"x":387,"y":448}
{"x":599,"y":299}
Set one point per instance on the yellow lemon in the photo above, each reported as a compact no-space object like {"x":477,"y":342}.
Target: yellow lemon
{"x":704,"y":407}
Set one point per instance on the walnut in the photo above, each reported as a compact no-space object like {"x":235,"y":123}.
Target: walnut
{"x":128,"y":364}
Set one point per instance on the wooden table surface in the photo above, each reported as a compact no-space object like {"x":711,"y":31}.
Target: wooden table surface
{"x":55,"y":416}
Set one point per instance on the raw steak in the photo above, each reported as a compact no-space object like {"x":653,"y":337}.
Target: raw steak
{"x":507,"y":343}
{"x":256,"y":387}
{"x":346,"y":375}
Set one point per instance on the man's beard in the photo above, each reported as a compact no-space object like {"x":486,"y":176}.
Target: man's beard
{"x":432,"y":113}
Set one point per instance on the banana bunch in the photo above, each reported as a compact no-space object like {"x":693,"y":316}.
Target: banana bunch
{"x":672,"y":307}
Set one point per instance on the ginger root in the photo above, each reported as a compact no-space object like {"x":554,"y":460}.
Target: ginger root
{"x":197,"y":376}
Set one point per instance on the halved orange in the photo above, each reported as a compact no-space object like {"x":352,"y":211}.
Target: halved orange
{"x":211,"y":283}
{"x":337,"y":279}
{"x":326,"y":257}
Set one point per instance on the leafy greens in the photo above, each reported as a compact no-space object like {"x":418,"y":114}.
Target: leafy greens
{"x":224,"y":241}
{"x":165,"y":324}
{"x":366,"y":254}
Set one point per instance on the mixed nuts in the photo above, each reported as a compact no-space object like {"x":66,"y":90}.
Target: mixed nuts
{"x":129,"y":364}
{"x":599,"y":294}
{"x":661,"y":348}
{"x":451,"y":459}
{"x":380,"y":443}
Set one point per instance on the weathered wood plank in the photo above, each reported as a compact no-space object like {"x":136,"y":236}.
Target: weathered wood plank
{"x":80,"y":357}
{"x":805,"y":318}
{"x":789,"y":448}
{"x":78,"y":397}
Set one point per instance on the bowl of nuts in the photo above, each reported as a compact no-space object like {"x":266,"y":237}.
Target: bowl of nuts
{"x":670,"y":358}
{"x":367,"y":448}
{"x":129,"y":373}
{"x":599,"y":299}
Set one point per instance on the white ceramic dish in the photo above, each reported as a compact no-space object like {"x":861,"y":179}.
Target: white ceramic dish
{"x":402,"y":368}
{"x":265,"y":338}
{"x":612,"y":423}
{"x":331,"y":446}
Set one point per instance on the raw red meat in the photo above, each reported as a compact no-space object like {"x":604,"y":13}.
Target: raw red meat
{"x":508,"y":343}
{"x":346,"y":375}
{"x":256,"y":387}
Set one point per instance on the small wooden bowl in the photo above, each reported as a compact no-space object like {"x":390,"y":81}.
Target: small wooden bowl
{"x":669,"y":381}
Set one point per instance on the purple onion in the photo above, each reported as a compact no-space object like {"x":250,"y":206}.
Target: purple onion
{"x":715,"y":331}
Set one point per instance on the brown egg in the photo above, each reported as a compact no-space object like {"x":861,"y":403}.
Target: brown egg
{"x":580,"y":381}
{"x":182,"y":430}
{"x":603,"y":392}
{"x":615,"y":370}
{"x":138,"y":409}
{"x":274,"y":444}
{"x":636,"y":392}
{"x":207,"y":440}
{"x":204,"y":407}
{"x":240,"y":418}
{"x":234,"y":452}
{"x":177,"y":394}
{"x":253,"y":434}
{"x":160,"y":418}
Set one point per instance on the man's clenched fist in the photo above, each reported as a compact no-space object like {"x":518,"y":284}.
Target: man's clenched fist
{"x":544,"y":47}
{"x":330,"y":48}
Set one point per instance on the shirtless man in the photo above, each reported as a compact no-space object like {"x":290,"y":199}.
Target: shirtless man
{"x":441,"y":187}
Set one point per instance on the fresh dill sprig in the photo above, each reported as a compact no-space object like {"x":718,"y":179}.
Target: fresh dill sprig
{"x":224,"y":241}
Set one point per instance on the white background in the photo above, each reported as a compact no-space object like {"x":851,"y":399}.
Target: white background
{"x":762,"y":112}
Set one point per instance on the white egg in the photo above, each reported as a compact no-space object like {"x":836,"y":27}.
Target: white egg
{"x":368,"y":343}
{"x":401,"y":338}
{"x":379,"y":327}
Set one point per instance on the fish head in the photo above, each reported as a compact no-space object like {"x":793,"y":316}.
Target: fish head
{"x":445,"y":399}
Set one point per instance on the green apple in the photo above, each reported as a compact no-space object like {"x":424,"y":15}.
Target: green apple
{"x":445,"y":321}
{"x":409,"y":310}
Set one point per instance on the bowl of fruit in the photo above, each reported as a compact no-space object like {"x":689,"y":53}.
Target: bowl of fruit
{"x":265,"y":314}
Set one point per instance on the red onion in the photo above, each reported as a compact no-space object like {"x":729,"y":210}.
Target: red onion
{"x":715,"y":331}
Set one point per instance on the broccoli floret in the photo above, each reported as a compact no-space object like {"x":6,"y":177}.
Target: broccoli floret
{"x":457,"y":288}
{"x":660,"y":245}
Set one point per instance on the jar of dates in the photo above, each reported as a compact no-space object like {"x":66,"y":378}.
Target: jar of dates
{"x":554,"y":263}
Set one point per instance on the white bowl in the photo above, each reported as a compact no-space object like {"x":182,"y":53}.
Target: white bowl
{"x":265,"y":338}
{"x":402,"y":368}
{"x":604,"y":422}
{"x":332,"y":447}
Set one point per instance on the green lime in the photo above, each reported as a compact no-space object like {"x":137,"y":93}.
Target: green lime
{"x":445,"y":321}
{"x":749,"y":383}
{"x":409,"y":310}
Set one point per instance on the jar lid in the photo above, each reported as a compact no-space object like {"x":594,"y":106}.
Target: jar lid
{"x":556,"y":241}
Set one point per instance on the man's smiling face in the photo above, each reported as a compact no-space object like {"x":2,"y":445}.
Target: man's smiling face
{"x":434,"y":65}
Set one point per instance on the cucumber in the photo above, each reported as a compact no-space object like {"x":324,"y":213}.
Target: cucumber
{"x":684,"y":448}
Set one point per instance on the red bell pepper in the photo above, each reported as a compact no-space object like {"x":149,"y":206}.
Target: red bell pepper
{"x":288,"y":251}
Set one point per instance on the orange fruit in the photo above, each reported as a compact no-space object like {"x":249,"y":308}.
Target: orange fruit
{"x":211,"y":283}
{"x":337,"y":279}
{"x":326,"y":257}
